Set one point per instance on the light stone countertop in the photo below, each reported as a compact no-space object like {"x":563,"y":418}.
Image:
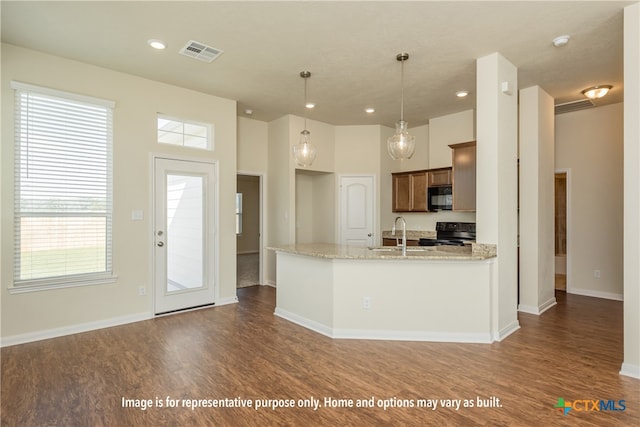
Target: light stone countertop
{"x":334,"y":251}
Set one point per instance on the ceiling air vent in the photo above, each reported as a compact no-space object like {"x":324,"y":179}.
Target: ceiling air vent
{"x":568,"y":107}
{"x":200,"y":51}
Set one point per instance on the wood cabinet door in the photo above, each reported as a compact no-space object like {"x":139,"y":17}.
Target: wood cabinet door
{"x":439,"y":177}
{"x":464,"y":176}
{"x":419,"y":185}
{"x":401,"y":189}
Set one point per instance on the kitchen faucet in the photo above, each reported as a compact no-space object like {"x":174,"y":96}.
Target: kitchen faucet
{"x":404,"y":234}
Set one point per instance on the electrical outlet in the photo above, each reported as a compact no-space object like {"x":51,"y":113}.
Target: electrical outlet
{"x":366,"y":303}
{"x":142,"y":291}
{"x":596,"y":274}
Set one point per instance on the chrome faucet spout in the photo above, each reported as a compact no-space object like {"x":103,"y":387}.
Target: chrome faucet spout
{"x":404,"y":234}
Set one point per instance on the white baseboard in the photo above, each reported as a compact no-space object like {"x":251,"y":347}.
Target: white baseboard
{"x":226,"y":301}
{"x":630,"y":370}
{"x":73,"y":329}
{"x":392,"y":335}
{"x":596,"y":294}
{"x":507,"y":330}
{"x":303,"y":321}
{"x":537,"y":310}
{"x":381,"y":334}
{"x":270,"y":283}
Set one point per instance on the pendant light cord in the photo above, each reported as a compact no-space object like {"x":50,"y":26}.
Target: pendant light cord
{"x":401,"y":90}
{"x":305,"y":103}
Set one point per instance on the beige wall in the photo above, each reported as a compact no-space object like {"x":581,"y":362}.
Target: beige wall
{"x":357,"y":152}
{"x":137,"y":103}
{"x":253,"y":145}
{"x":446,"y":130}
{"x":536,"y":213}
{"x":589,"y":144}
{"x":448,"y":125}
{"x":496,"y":173}
{"x":631,"y":363}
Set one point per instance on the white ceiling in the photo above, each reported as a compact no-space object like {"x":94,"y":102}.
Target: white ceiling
{"x":349,"y":47}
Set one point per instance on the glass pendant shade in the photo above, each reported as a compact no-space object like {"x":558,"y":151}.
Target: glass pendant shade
{"x":401,"y":145}
{"x":304,"y":152}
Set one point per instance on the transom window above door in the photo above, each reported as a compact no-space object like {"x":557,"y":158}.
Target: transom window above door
{"x":186,"y":133}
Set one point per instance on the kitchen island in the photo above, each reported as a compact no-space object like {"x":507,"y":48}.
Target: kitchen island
{"x":431,"y":294}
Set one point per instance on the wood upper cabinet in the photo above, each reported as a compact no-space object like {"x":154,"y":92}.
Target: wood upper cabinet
{"x":410,"y":191}
{"x":464,"y":176}
{"x":439,"y":177}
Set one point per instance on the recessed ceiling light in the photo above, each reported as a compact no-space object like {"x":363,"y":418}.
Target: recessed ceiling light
{"x":561,"y":41}
{"x":310,"y":105}
{"x":248,"y":111}
{"x":596,"y":92}
{"x":156,"y":44}
{"x":462,"y":93}
{"x":370,"y":110}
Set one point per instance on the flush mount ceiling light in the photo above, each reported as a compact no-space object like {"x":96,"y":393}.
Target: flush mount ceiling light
{"x":462,"y":93}
{"x":156,"y":44}
{"x":369,"y":110}
{"x":304,"y":152}
{"x":596,"y":92}
{"x":561,"y":41}
{"x":401,"y":145}
{"x":310,"y":105}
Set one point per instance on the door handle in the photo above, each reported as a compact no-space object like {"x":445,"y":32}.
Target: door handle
{"x":369,"y":234}
{"x":161,"y":244}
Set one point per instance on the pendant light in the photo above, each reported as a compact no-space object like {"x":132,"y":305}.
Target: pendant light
{"x":304,"y":152}
{"x":401,"y":145}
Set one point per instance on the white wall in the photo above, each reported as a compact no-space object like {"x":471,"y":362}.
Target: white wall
{"x":590,"y":144}
{"x":137,"y":103}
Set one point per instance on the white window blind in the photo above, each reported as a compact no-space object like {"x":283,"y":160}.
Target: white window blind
{"x":63,"y":187}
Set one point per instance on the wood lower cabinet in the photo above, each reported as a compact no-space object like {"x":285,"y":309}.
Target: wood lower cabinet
{"x":392,"y":242}
{"x":410,"y":191}
{"x":464,"y":176}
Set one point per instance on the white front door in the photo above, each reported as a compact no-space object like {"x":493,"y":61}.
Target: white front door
{"x":183,"y":234}
{"x":357,"y":208}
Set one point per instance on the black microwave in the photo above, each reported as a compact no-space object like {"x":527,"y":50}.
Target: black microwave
{"x":440,"y":198}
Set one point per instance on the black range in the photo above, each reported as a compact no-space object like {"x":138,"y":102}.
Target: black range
{"x":452,"y":234}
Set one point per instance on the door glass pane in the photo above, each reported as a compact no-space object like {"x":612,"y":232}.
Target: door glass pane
{"x":185,"y":231}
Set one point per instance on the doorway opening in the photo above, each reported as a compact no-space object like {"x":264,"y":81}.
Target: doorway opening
{"x":248,"y":230}
{"x":561,"y":193}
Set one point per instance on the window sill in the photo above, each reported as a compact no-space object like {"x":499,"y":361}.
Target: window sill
{"x":35,"y":286}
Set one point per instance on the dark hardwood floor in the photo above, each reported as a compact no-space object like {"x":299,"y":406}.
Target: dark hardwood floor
{"x":573,"y":351}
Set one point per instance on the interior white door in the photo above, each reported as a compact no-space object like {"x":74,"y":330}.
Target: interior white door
{"x":357,"y":210}
{"x":184,"y":258}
